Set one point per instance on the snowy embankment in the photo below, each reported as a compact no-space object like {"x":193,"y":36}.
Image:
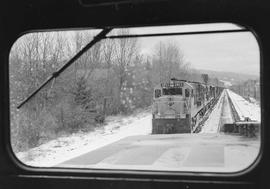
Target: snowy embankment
{"x":244,"y":108}
{"x":64,"y":148}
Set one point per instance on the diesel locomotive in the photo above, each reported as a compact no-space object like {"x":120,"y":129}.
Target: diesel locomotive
{"x":179,"y":105}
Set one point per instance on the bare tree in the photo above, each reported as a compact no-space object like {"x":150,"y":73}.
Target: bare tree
{"x":91,"y":59}
{"x":125,"y":53}
{"x":205,"y":78}
{"x":168,"y":60}
{"x":33,"y":58}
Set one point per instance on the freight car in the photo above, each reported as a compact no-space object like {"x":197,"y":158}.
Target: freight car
{"x":179,"y":105}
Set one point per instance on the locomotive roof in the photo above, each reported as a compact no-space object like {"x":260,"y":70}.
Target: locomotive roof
{"x":191,"y":84}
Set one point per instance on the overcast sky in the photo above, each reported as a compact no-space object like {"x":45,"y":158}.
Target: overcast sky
{"x":230,"y":52}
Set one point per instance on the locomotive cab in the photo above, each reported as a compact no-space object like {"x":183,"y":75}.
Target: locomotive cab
{"x":171,"y":107}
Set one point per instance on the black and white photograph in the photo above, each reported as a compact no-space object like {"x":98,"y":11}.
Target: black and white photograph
{"x":176,"y":98}
{"x":134,"y":94}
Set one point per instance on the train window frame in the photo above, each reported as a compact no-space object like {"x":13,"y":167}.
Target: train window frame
{"x":151,"y":172}
{"x":180,"y":92}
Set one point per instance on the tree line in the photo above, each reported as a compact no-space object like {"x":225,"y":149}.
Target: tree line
{"x":248,"y":89}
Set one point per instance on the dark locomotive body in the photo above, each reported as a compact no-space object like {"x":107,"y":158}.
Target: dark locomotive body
{"x":179,"y":104}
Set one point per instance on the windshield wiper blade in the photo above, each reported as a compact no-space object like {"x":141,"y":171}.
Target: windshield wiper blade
{"x":97,"y":38}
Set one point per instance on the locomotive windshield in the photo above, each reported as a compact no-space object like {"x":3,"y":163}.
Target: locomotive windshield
{"x":172,"y":91}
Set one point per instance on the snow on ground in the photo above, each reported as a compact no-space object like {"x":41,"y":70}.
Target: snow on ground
{"x":245,"y":108}
{"x":179,"y":152}
{"x":119,"y":127}
{"x":211,"y":125}
{"x":64,"y":148}
{"x":226,"y":115}
{"x":253,"y":100}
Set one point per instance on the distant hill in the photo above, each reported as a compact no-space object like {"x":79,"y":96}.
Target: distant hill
{"x":233,"y":78}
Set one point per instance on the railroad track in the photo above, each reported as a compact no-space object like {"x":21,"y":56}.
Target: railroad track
{"x":202,"y":120}
{"x":235,"y":115}
{"x":246,"y":128}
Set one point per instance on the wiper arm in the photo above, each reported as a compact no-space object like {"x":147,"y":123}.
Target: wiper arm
{"x":97,"y":38}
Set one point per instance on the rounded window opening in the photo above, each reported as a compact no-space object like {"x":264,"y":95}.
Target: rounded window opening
{"x":155,"y":102}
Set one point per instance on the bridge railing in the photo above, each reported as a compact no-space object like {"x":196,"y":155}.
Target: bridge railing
{"x":244,"y":128}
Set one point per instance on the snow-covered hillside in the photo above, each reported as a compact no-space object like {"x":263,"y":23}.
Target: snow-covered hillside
{"x":64,"y":148}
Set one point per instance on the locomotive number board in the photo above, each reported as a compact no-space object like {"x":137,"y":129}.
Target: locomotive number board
{"x":170,"y":85}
